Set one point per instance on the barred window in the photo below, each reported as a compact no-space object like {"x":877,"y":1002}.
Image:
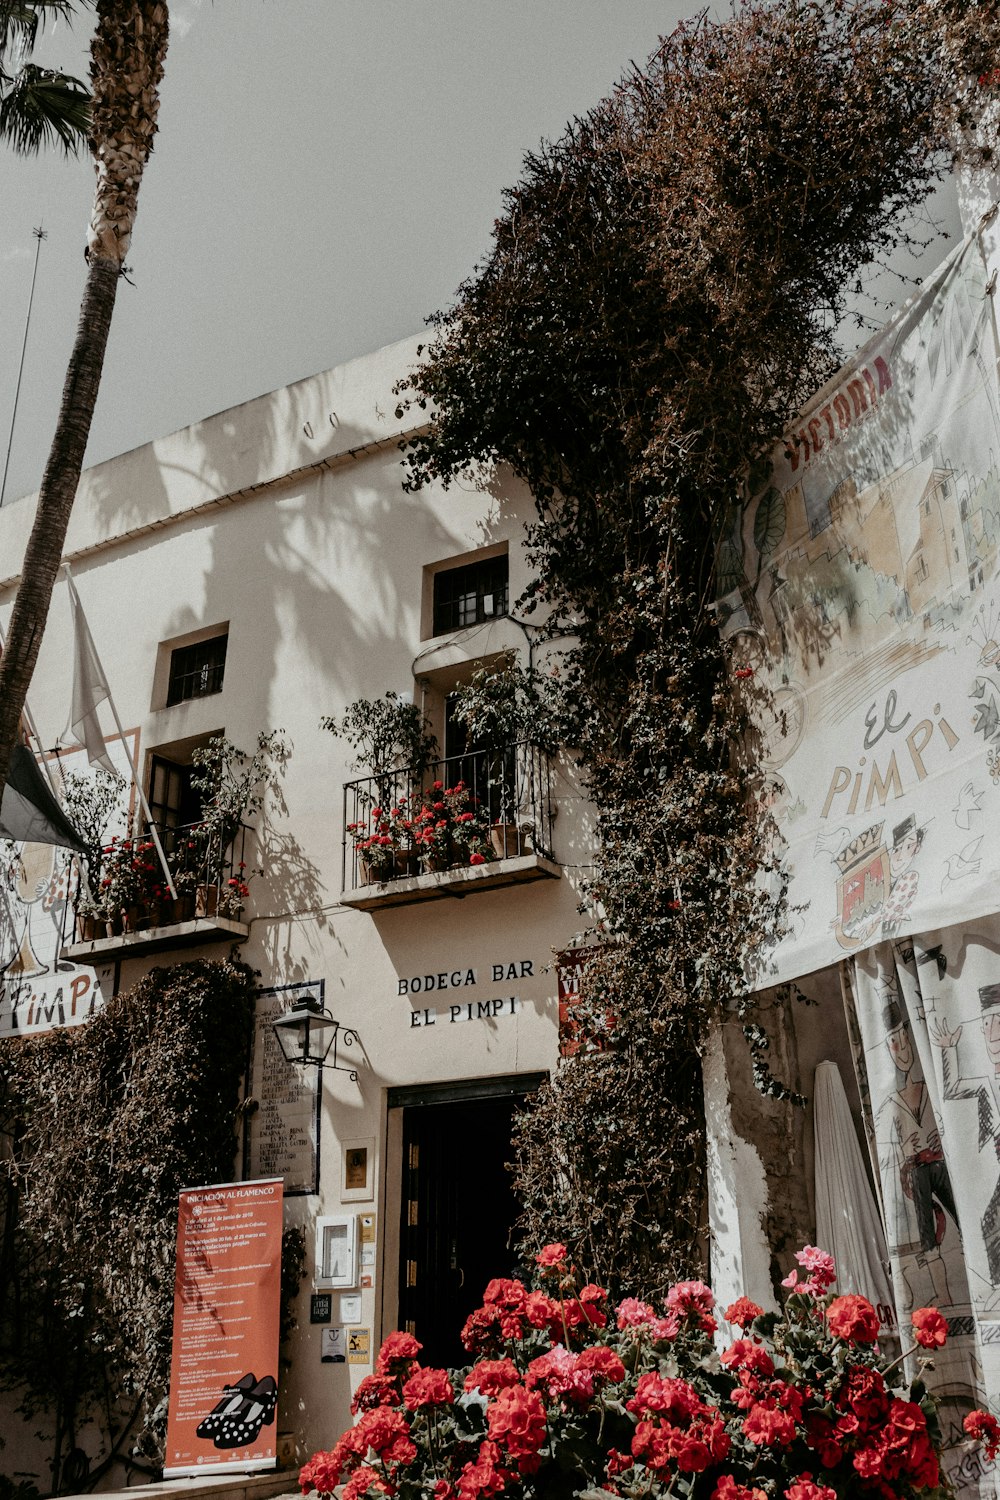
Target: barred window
{"x":198,"y":670}
{"x":470,"y":595}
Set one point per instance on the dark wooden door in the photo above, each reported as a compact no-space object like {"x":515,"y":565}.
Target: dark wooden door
{"x":458,"y":1209}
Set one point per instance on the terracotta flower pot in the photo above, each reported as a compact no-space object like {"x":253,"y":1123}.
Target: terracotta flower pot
{"x":87,"y":928}
{"x":206,"y":902}
{"x":184,"y":907}
{"x":433,"y":860}
{"x":507,"y":840}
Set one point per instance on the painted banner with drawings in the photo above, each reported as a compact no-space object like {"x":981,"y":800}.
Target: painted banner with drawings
{"x":39,"y":989}
{"x":926,"y":1017}
{"x":221,"y":1412}
{"x":860,"y":586}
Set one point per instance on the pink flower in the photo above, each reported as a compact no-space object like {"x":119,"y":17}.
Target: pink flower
{"x":559,"y":1373}
{"x":477,"y":859}
{"x":551,"y":1256}
{"x":634,"y":1314}
{"x":693,"y":1299}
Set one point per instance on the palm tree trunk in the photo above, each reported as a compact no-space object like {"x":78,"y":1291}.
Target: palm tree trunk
{"x":127,"y":52}
{"x":43,"y":555}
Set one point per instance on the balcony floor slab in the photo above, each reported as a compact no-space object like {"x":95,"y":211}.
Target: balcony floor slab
{"x":156,"y":939}
{"x":463,"y":881}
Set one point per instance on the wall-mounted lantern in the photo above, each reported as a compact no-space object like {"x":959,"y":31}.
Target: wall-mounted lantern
{"x":308,"y":1034}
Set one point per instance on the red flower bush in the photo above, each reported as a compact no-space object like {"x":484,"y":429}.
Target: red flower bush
{"x":565,"y":1398}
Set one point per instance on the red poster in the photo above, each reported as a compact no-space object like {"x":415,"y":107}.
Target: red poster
{"x":222,"y":1412}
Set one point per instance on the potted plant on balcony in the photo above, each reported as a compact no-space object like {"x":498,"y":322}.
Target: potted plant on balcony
{"x":394,"y":745}
{"x":234,"y":893}
{"x":450,"y":828}
{"x":388,"y":735}
{"x":504,"y":713}
{"x":384,"y":844}
{"x":131,"y":889}
{"x":232,"y":785}
{"x":92,"y":803}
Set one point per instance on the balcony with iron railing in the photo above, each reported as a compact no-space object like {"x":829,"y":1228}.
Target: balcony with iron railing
{"x":122,"y":904}
{"x":472,"y":822}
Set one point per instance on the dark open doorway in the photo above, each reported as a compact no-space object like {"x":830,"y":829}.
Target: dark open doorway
{"x":457,"y":1210}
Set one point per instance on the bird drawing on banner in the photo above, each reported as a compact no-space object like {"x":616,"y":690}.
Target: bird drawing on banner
{"x":969,"y":801}
{"x":832,"y":840}
{"x":961,"y":866}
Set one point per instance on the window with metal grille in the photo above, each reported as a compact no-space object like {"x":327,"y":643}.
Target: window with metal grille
{"x":198,"y":670}
{"x":471,"y":594}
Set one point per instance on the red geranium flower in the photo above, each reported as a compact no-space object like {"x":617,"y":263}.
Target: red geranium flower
{"x":427,"y":1388}
{"x":853,"y":1319}
{"x":805,"y":1489}
{"x":398,"y":1348}
{"x":517,"y":1422}
{"x":929,"y":1328}
{"x":741,"y":1313}
{"x":490,"y":1376}
{"x":985,"y":1428}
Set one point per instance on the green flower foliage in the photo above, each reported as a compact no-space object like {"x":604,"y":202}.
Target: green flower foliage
{"x":108,"y":1121}
{"x":661,"y":296}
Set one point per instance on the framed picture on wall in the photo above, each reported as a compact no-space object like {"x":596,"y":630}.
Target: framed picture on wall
{"x":358,"y":1157}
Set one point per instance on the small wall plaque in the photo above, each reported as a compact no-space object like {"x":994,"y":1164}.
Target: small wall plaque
{"x":358,"y":1161}
{"x":320,"y":1307}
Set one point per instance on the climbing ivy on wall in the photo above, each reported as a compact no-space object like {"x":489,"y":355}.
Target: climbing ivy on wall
{"x":661,"y":296}
{"x":106,"y":1122}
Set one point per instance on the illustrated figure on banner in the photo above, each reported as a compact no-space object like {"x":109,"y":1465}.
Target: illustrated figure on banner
{"x":909,"y":1133}
{"x":877,"y":886}
{"x":982,"y":1087}
{"x":31,"y":909}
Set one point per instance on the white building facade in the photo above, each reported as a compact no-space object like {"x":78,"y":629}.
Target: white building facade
{"x":260,"y":571}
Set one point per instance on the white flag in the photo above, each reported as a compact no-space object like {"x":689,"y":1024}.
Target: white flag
{"x":90,"y":689}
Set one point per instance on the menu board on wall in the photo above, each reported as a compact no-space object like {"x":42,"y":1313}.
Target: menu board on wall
{"x":224,"y":1361}
{"x":283,"y":1132}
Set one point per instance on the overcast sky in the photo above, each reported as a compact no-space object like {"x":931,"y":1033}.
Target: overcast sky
{"x":326,"y":173}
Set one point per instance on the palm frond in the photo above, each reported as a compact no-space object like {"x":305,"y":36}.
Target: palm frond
{"x":40,"y":107}
{"x":21,"y":20}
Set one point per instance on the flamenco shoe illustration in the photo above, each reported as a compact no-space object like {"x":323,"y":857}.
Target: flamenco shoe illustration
{"x":232,"y":1399}
{"x":240,"y":1427}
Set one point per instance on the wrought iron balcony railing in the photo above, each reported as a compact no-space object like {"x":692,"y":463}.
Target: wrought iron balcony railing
{"x":469,"y":810}
{"x":128,"y":892}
